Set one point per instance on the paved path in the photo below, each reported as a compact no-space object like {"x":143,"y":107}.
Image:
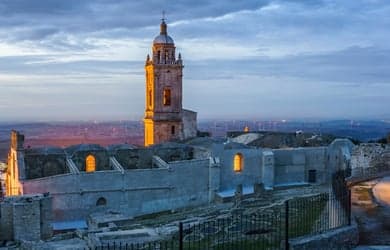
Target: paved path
{"x":373,"y":218}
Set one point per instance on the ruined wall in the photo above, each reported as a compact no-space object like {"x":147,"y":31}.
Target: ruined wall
{"x":277,"y":167}
{"x":26,"y":218}
{"x":315,"y":159}
{"x":251,"y":171}
{"x":201,"y":153}
{"x":175,"y":153}
{"x":289,"y":166}
{"x":190,"y":128}
{"x":134,"y":158}
{"x":101,"y":158}
{"x":142,"y":157}
{"x":292,"y":165}
{"x":135,"y":192}
{"x":42,"y":165}
{"x":339,"y":155}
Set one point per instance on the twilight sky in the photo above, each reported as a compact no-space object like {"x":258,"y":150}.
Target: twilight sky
{"x":265,"y":59}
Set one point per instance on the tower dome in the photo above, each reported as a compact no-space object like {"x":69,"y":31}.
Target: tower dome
{"x":163,"y":38}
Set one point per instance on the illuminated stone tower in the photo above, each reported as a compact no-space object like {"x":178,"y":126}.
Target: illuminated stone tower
{"x":165,"y":118}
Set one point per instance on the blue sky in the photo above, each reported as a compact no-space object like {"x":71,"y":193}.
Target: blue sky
{"x":265,"y":59}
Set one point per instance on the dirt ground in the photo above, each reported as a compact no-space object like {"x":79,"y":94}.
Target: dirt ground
{"x":372,"y":217}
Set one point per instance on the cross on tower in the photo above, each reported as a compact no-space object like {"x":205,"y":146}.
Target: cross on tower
{"x":163,"y":16}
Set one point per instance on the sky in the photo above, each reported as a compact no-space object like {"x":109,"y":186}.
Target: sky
{"x":264,"y":59}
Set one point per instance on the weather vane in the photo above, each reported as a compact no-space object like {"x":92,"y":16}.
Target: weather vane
{"x":163,"y":15}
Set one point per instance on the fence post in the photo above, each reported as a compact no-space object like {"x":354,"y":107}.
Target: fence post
{"x":286,"y":224}
{"x":181,"y":236}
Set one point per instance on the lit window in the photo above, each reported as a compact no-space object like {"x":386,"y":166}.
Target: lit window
{"x":238,"y":162}
{"x":90,"y":163}
{"x":167,"y":97}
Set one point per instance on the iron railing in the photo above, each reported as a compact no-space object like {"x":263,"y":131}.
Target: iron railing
{"x":270,"y":228}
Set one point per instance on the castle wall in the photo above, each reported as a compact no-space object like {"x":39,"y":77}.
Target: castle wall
{"x":316,"y":160}
{"x":189,"y":124}
{"x":370,"y":155}
{"x":26,"y":218}
{"x":292,"y":165}
{"x":280,"y":167}
{"x":26,"y":221}
{"x":135,"y":192}
{"x":142,"y":157}
{"x":45,"y":165}
{"x":339,"y":155}
{"x":101,"y":157}
{"x":251,"y":171}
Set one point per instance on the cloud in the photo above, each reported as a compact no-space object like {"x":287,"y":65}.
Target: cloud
{"x":282,"y":55}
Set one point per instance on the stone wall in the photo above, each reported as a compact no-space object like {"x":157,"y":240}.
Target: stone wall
{"x":137,"y":185}
{"x":337,"y":239}
{"x":26,"y":218}
{"x":134,"y":192}
{"x":134,"y":158}
{"x":279,"y":167}
{"x":368,"y":155}
{"x":339,"y":155}
{"x":190,"y":128}
{"x":101,"y":159}
{"x":250,"y":173}
{"x":41,"y":165}
{"x":139,"y":158}
{"x":292,"y":165}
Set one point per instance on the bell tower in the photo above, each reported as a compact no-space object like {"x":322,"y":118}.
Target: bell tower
{"x":163,"y":108}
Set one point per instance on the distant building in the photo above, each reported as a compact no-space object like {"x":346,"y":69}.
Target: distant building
{"x":165,"y":119}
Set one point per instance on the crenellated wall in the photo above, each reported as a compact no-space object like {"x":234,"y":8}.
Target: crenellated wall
{"x":26,"y":218}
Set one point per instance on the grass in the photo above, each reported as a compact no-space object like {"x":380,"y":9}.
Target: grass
{"x":264,"y":231}
{"x":304,"y":214}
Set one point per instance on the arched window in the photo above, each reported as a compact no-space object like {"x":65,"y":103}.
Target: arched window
{"x":90,"y":163}
{"x":166,"y":56}
{"x":101,"y":202}
{"x":238,"y":162}
{"x":167,"y":97}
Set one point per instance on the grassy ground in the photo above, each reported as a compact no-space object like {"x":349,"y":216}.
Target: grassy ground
{"x":263,"y":232}
{"x":304,"y":213}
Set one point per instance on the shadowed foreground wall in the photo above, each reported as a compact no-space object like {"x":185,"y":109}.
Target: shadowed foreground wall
{"x":133,"y":192}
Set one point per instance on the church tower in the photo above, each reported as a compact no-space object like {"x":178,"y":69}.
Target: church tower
{"x":163,"y":109}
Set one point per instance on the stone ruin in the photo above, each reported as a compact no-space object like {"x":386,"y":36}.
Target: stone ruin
{"x":26,"y":218}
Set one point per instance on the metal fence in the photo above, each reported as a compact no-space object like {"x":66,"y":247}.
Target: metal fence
{"x":265,"y":229}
